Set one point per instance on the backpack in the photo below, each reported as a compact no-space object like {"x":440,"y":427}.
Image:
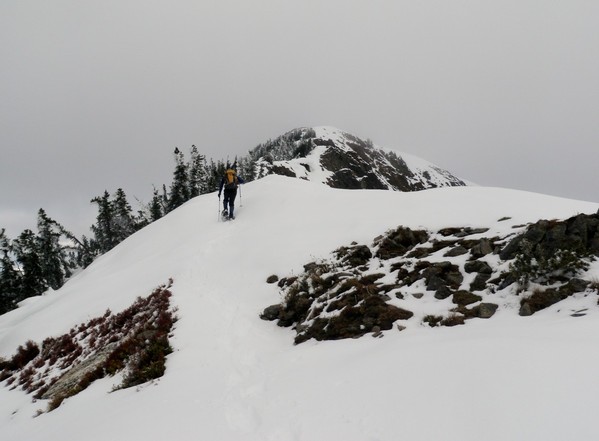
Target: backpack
{"x":230,"y":179}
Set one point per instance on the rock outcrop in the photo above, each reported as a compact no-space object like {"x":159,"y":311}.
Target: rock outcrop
{"x":465,"y":271}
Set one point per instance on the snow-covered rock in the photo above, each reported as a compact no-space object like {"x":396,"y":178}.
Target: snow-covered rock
{"x":342,"y":160}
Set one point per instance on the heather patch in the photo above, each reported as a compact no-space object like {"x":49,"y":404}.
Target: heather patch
{"x":134,"y":341}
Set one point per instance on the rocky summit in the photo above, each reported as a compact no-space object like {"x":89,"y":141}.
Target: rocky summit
{"x":342,"y":160}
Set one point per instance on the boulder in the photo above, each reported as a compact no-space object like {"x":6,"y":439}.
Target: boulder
{"x":272,"y":279}
{"x":465,"y":298}
{"x":487,"y":310}
{"x":478,"y":266}
{"x":456,"y":251}
{"x":271,"y":312}
{"x":480,"y":282}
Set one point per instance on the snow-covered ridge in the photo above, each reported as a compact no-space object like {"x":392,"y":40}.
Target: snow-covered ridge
{"x":233,"y":376}
{"x":341,"y":160}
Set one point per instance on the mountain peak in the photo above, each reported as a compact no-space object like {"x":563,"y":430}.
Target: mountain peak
{"x":341,"y":160}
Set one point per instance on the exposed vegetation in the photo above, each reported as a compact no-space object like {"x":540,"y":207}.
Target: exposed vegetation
{"x":134,"y":341}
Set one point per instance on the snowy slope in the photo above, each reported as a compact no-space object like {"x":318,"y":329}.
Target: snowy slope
{"x":235,"y":377}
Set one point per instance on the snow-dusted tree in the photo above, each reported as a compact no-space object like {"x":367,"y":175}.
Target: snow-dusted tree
{"x":53,"y":258}
{"x":245,"y":168}
{"x":86,"y":252}
{"x":103,"y":229}
{"x":28,"y":258}
{"x":123,"y":222}
{"x":215,"y":172}
{"x":10,"y":278}
{"x":179,"y":191}
{"x":197,"y":173}
{"x":155,"y":209}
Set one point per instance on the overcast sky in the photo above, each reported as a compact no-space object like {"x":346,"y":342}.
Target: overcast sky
{"x":95,"y":95}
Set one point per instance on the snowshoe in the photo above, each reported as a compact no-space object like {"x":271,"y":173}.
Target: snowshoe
{"x":225,"y":215}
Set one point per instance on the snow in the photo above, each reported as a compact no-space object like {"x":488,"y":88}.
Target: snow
{"x":235,"y":377}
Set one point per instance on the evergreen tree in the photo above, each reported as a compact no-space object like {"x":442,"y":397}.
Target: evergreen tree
{"x":197,"y":173}
{"x":86,"y":252}
{"x":245,"y":168}
{"x":179,"y":191}
{"x":27,"y":255}
{"x":10,"y":279}
{"x":164,"y":200}
{"x":104,"y":229}
{"x":123,"y":221}
{"x":215,"y":172}
{"x":155,"y":208}
{"x":52,"y":258}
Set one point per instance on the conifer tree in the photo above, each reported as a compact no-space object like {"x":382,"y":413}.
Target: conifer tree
{"x":123,"y":221}
{"x":215,"y":172}
{"x":104,"y":230}
{"x":197,"y":173}
{"x":164,"y":200}
{"x":27,"y":255}
{"x":179,"y":191}
{"x":10,"y":279}
{"x":52,"y":258}
{"x":86,"y":252}
{"x":155,"y":208}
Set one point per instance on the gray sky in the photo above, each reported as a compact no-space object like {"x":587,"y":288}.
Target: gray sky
{"x":95,"y":95}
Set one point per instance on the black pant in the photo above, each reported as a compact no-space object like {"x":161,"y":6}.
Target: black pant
{"x":229,"y":200}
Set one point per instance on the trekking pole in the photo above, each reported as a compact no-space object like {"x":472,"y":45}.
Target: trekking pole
{"x":240,"y":201}
{"x":218,"y":211}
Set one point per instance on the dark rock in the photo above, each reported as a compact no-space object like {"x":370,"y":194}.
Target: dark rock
{"x":295,"y":310}
{"x":310,"y":267}
{"x":420,"y":252}
{"x":456,"y":251}
{"x":440,"y":244}
{"x":283,"y":171}
{"x":271,"y":313}
{"x":371,"y":278}
{"x":462,"y":232}
{"x":449,"y":231}
{"x":389,"y":287}
{"x":272,"y":279}
{"x":289,"y":281}
{"x":478,"y":266}
{"x":468,"y":231}
{"x":505,"y":280}
{"x":355,"y":256}
{"x":487,"y":310}
{"x":525,"y":310}
{"x":480,"y":282}
{"x":573,"y":286}
{"x":579,"y":233}
{"x":465,"y":298}
{"x":539,"y":300}
{"x":399,"y":242}
{"x":442,"y":274}
{"x":355,"y":321}
{"x":442,"y":293}
{"x":454,"y":279}
{"x":483,"y":248}
{"x":435,"y":282}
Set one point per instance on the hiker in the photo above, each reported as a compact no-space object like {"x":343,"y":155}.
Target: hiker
{"x":230,"y":181}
